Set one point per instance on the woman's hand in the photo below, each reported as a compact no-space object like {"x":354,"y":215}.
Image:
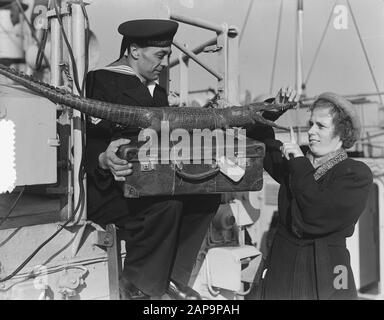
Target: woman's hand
{"x":173,"y":99}
{"x":286,"y":95}
{"x":291,"y":149}
{"x":109,"y":160}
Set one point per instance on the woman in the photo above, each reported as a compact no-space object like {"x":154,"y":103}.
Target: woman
{"x":322,"y":195}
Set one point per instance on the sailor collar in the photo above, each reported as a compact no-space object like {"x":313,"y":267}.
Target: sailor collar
{"x":125,"y":69}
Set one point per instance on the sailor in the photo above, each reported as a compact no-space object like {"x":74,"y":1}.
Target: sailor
{"x":162,"y":234}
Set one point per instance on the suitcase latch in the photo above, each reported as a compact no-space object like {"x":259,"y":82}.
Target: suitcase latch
{"x":149,"y":165}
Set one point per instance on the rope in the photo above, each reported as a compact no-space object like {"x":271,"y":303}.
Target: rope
{"x":365,"y":52}
{"x":276,"y":47}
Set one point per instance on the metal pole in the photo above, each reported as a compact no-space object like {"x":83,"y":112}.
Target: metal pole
{"x":78,"y":45}
{"x":233,"y":76}
{"x":299,"y":58}
{"x":197,"y":22}
{"x":197,"y":60}
{"x":55,"y":52}
{"x":56,"y":59}
{"x":184,"y":85}
{"x":196,"y":51}
{"x":68,"y":115}
{"x":222,"y":56}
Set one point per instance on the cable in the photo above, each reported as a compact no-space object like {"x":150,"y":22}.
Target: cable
{"x":276,"y":46}
{"x":83,"y":120}
{"x":74,"y":66}
{"x":365,"y":51}
{"x":40,"y":53}
{"x":82,"y":170}
{"x":87,"y":40}
{"x":45,"y":242}
{"x":12,"y":207}
{"x":81,"y":202}
{"x":31,"y":27}
{"x":81,"y":92}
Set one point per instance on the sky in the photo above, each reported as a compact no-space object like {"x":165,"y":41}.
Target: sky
{"x":341,"y":66}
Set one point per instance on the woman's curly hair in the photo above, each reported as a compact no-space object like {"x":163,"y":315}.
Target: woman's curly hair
{"x":342,"y":121}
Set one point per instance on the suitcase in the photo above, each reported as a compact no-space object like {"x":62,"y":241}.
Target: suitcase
{"x":182,"y":175}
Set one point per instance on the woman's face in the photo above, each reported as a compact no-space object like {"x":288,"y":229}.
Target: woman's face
{"x":321,"y":133}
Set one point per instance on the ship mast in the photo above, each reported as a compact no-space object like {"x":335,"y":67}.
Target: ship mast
{"x":299,"y":59}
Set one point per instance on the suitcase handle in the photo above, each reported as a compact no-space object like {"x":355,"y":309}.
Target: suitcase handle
{"x":127,"y":152}
{"x":197,"y":176}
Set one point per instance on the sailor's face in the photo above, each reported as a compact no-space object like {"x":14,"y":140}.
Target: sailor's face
{"x":321,"y":136}
{"x":152,"y":61}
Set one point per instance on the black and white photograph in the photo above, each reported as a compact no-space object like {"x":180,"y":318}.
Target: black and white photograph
{"x":192,"y":156}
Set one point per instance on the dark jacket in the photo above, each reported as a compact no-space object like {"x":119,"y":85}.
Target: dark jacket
{"x":162,"y":235}
{"x":309,"y":254}
{"x":118,"y":88}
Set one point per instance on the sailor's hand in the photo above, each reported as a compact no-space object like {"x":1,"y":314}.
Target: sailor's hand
{"x":291,"y":149}
{"x":109,"y":160}
{"x":173,"y":99}
{"x":286,"y":95}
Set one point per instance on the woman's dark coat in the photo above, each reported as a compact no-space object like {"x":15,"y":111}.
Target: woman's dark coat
{"x":308,"y":258}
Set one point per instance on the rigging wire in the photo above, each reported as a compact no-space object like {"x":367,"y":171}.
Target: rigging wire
{"x":246,"y":20}
{"x":276,"y":47}
{"x":319,"y":46}
{"x":365,"y":52}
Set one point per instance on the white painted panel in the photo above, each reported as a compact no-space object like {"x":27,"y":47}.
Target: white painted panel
{"x":34,"y":118}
